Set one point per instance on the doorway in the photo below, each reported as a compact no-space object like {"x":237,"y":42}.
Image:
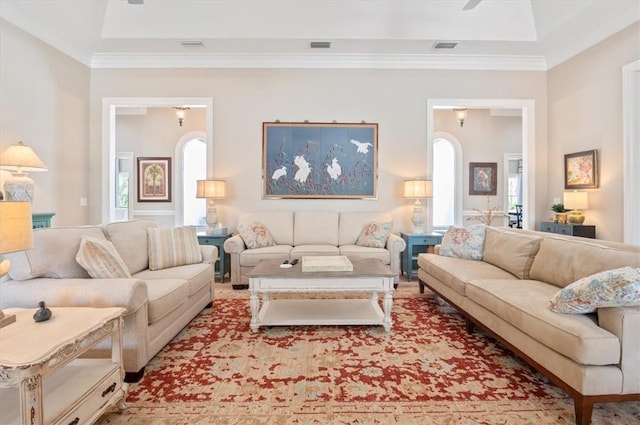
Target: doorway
{"x":527,"y":106}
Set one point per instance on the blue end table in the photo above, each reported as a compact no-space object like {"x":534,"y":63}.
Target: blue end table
{"x":223,"y":259}
{"x":417,"y":243}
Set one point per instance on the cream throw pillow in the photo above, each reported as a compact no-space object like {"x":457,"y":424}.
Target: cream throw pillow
{"x":374,"y":235}
{"x":173,"y":247}
{"x":100,"y":259}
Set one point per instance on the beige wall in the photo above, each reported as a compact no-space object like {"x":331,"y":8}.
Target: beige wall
{"x":585,"y":112}
{"x":244,"y":98}
{"x":44,"y":101}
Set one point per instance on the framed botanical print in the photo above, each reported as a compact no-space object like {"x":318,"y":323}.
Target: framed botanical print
{"x":483,"y":178}
{"x":154,"y":179}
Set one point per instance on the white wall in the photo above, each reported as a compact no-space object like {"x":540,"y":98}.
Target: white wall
{"x":243,"y":99}
{"x":585,"y":112}
{"x":44,"y":101}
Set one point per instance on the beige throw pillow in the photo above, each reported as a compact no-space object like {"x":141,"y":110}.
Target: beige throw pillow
{"x":100,"y":259}
{"x":173,"y":247}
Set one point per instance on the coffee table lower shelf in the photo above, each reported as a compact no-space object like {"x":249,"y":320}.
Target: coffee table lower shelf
{"x":296,"y":312}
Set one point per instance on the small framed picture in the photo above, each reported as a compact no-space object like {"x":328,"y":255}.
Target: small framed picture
{"x":483,"y":178}
{"x":154,"y":179}
{"x":581,"y":170}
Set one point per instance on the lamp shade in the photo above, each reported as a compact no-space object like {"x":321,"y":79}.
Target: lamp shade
{"x":16,"y":233}
{"x":211,"y":189}
{"x":576,"y":200}
{"x":418,"y":189}
{"x":21,"y":157}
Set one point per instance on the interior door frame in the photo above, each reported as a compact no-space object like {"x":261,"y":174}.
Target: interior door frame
{"x":631,"y":152}
{"x":527,"y":106}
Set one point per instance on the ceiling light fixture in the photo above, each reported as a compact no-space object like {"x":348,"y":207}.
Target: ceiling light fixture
{"x":181,"y":112}
{"x":461,"y":115}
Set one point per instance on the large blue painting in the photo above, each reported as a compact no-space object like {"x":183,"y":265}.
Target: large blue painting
{"x":319,"y":160}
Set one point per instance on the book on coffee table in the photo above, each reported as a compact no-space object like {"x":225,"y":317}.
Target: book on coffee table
{"x":326,"y":263}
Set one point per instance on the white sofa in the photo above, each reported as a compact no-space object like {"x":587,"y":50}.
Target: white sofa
{"x":594,"y":357}
{"x":158,"y":303}
{"x":310,"y":233}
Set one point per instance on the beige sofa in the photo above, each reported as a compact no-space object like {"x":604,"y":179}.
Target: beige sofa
{"x":310,"y":233}
{"x":594,"y":357}
{"x":158,"y":303}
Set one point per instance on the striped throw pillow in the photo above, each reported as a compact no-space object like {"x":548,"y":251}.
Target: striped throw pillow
{"x":100,"y":259}
{"x":173,"y":247}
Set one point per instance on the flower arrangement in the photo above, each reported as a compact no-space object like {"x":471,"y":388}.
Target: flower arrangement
{"x":488,"y":215}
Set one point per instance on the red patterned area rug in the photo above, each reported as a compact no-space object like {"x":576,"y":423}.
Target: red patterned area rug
{"x":428,"y":370}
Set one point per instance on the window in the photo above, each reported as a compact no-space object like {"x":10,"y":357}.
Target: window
{"x":447,"y":182}
{"x":194,"y":168}
{"x":123,"y":175}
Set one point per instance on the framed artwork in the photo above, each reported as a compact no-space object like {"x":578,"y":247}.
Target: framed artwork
{"x":581,"y":170}
{"x":483,"y":178}
{"x":154,"y":179}
{"x":319,"y":160}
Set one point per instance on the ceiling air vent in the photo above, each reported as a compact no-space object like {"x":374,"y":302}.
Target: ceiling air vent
{"x":320,"y":44}
{"x":445,"y":45}
{"x":135,"y":1}
{"x":191,"y":43}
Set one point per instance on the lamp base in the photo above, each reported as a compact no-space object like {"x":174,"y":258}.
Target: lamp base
{"x":212,"y":216}
{"x":417,"y":218}
{"x":19,"y":187}
{"x":575,"y":217}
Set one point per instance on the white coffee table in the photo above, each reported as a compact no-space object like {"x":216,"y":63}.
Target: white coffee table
{"x":369,"y":275}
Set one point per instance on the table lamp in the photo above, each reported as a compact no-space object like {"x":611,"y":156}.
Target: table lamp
{"x":576,"y":201}
{"x":210,"y":190}
{"x":16,"y":234}
{"x":19,"y":159}
{"x":418,"y":189}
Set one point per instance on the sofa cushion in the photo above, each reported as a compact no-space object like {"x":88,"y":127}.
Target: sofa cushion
{"x":53,"y":254}
{"x":251,"y":257}
{"x":575,"y":259}
{"x":130,"y":240}
{"x":100,"y":259}
{"x":165,"y":295}
{"x":255,"y":235}
{"x":279,"y":223}
{"x":456,"y":272}
{"x":315,"y":228}
{"x":351,"y":224}
{"x":464,"y":242}
{"x":611,"y":288}
{"x":173,"y":247}
{"x":316,"y":249}
{"x":525,"y":305}
{"x":356,"y":252}
{"x":511,"y":251}
{"x":197,"y":275}
{"x":374,"y":234}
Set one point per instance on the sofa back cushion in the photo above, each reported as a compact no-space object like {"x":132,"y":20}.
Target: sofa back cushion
{"x":279,"y":224}
{"x":53,"y":254}
{"x":511,"y":251}
{"x":315,"y":228}
{"x":130,"y":240}
{"x":561,"y":260}
{"x":351,"y":224}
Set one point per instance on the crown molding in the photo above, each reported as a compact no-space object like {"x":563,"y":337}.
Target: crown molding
{"x":319,"y":61}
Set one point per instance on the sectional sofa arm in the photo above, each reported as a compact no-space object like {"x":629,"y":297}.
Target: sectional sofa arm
{"x":234,"y":245}
{"x":624,"y":322}
{"x":396,"y":244}
{"x":127,"y":293}
{"x":209,"y":253}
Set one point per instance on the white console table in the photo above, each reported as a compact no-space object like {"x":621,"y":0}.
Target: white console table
{"x":43,"y":380}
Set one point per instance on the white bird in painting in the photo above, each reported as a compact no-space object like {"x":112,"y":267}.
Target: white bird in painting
{"x":280,"y":172}
{"x":334,"y":169}
{"x":303,"y":169}
{"x":363,"y":147}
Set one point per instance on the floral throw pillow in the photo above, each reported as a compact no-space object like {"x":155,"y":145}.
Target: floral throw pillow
{"x":256,"y":235}
{"x":611,"y":288}
{"x":374,"y":235}
{"x":463,"y":242}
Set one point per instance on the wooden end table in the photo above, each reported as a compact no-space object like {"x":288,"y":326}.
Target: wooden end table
{"x":43,"y":380}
